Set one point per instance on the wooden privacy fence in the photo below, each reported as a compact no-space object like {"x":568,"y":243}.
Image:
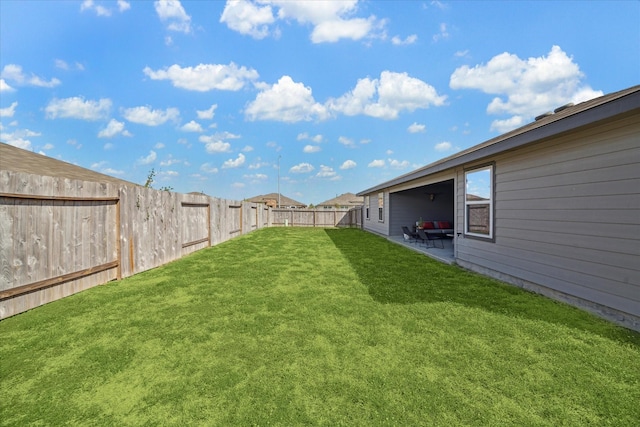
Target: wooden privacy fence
{"x":317,"y":217}
{"x":60,"y":236}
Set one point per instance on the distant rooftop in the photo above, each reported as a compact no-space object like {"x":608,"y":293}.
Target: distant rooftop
{"x":271,"y":200}
{"x":346,"y":200}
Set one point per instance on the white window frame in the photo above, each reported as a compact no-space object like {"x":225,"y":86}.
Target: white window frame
{"x":487,"y":200}
{"x":366,"y":207}
{"x":381,"y":207}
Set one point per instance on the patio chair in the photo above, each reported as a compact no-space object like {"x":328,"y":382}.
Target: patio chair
{"x":409,"y":235}
{"x":428,"y":237}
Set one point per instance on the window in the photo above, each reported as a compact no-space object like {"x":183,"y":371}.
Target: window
{"x":366,"y":207}
{"x":380,"y":206}
{"x":478,"y":202}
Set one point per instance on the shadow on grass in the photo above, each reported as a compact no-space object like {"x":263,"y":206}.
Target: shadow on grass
{"x":396,"y":275}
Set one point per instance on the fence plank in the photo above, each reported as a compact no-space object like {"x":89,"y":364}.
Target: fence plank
{"x":62,"y":236}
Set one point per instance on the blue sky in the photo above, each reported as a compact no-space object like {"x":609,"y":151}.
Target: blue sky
{"x":342,"y":95}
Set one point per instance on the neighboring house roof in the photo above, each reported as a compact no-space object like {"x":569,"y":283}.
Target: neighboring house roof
{"x":18,"y":160}
{"x":561,"y":121}
{"x":273,"y":197}
{"x":346,"y":199}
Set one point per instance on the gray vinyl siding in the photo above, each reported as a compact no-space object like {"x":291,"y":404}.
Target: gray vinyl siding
{"x":373,"y":224}
{"x":404,"y":212}
{"x":567,"y":216}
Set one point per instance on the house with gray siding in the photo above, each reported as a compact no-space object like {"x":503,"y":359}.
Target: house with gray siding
{"x":553,"y":206}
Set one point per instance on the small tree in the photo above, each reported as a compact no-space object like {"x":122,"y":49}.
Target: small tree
{"x":151,"y":177}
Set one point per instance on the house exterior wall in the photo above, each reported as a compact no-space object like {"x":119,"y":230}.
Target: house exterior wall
{"x":567,"y":218}
{"x":373,"y":223}
{"x":405,"y":209}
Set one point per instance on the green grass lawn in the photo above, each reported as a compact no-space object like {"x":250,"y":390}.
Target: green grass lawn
{"x":329,"y":327}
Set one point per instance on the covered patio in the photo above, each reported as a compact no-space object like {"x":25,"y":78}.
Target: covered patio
{"x":445,"y":255}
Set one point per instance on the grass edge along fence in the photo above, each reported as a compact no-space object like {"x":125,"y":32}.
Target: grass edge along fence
{"x":59,"y":236}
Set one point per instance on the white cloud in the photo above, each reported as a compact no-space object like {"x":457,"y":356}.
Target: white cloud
{"x":334,"y":30}
{"x":111,"y":171}
{"x":208,"y":168}
{"x":98,"y":9}
{"x":218,"y":136}
{"x":347,"y":142}
{"x":396,"y":40}
{"x":443,"y":34}
{"x":248,"y":18}
{"x":192,"y":126}
{"x":170,"y":161}
{"x":397,"y":164}
{"x":123,"y":5}
{"x":331,"y":20}
{"x":14,"y":73}
{"x":301,"y":168}
{"x":146,"y":116}
{"x":113,"y":128}
{"x":256,"y":178}
{"x":311,"y":149}
{"x":102,"y":10}
{"x":215,"y":145}
{"x":63,"y":65}
{"x":285,"y":101}
{"x":159,"y":146}
{"x":376,"y":164}
{"x":231,"y":163}
{"x":444,"y":146}
{"x":305,"y":136}
{"x":525,"y":88}
{"x":416,"y":128}
{"x":205,"y":77}
{"x":18,"y":138}
{"x":259,"y":165}
{"x":48,"y":147}
{"x":9,"y":111}
{"x":77,"y":108}
{"x":327,"y":172}
{"x":506,"y":125}
{"x":348,"y":164}
{"x":25,"y":144}
{"x":167,"y":175}
{"x":208,"y":113}
{"x":108,"y":146}
{"x":4,"y":86}
{"x":148,"y":159}
{"x":173,"y":14}
{"x":396,"y":92}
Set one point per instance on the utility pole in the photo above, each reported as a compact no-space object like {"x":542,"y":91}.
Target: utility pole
{"x":279,"y":181}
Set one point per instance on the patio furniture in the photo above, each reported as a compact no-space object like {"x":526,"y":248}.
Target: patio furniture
{"x":428,"y":237}
{"x":408,"y":234}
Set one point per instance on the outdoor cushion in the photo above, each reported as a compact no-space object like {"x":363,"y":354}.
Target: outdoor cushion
{"x":443,"y":224}
{"x":427,"y":225}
